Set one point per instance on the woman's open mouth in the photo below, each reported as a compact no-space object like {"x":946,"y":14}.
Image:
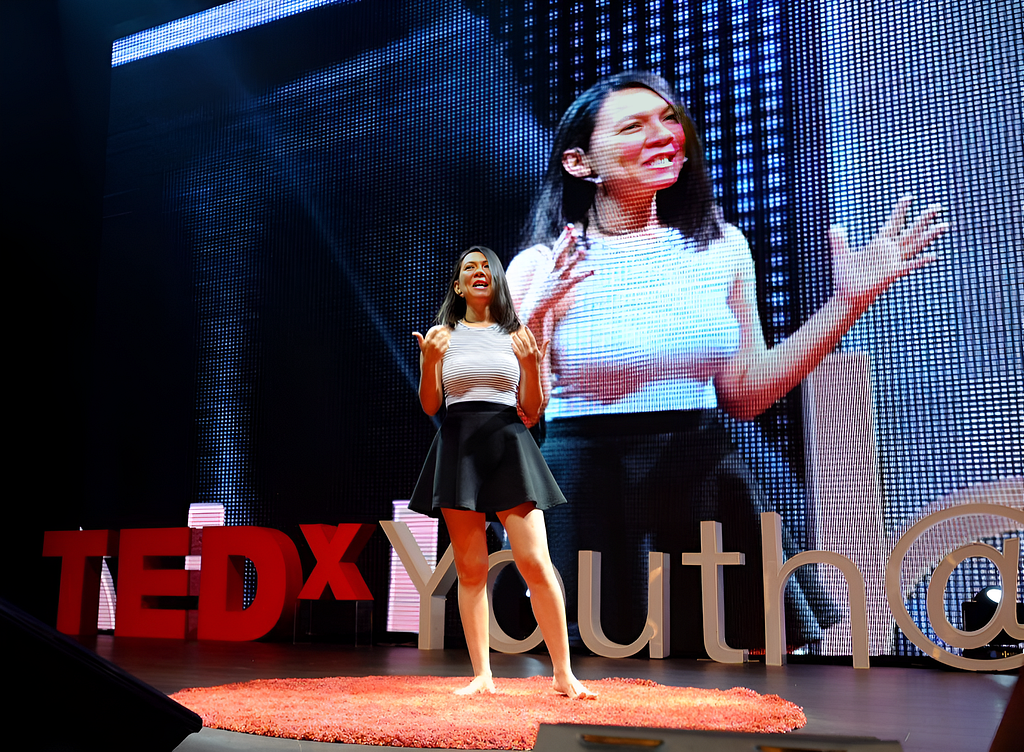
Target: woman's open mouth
{"x":659,"y":162}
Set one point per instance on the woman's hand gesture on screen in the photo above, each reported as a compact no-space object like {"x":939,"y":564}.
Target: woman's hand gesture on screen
{"x":895,"y":251}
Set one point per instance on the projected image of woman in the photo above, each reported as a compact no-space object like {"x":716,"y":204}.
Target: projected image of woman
{"x":481,"y":363}
{"x":649,"y":302}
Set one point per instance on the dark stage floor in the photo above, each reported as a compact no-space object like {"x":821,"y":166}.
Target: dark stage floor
{"x":926,"y":710}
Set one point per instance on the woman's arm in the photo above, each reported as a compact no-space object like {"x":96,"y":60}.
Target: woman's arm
{"x":531,"y":387}
{"x":756,"y":377}
{"x":432,"y":350}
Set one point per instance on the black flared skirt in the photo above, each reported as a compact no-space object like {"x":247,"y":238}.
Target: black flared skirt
{"x":483,"y":459}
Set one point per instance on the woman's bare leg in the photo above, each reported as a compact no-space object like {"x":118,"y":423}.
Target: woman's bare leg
{"x":468,"y":533}
{"x":528,"y":537}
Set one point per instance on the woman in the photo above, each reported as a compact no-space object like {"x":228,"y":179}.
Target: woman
{"x":481,"y":363}
{"x":649,"y":302}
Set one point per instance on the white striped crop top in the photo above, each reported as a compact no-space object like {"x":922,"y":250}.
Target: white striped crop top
{"x":480,"y":365}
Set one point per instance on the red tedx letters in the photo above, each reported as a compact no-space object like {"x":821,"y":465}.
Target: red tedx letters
{"x":142,"y":581}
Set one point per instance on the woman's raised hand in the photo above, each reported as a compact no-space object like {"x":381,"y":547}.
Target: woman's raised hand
{"x":525,"y":346}
{"x":567,"y":271}
{"x":534,"y":375}
{"x":895,"y":251}
{"x":552,"y":292}
{"x":432,"y":350}
{"x":434,"y":345}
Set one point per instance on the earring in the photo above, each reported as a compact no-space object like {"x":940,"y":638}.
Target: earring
{"x":595,"y":179}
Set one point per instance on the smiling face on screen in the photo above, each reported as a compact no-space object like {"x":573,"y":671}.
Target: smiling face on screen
{"x":636,"y":147}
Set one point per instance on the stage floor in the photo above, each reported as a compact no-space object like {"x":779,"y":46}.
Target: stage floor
{"x":925,"y":710}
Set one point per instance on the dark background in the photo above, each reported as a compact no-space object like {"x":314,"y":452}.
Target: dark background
{"x":56,"y":96}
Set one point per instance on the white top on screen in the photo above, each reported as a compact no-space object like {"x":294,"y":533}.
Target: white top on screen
{"x":651,"y":327}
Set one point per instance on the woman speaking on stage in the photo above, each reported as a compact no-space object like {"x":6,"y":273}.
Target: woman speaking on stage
{"x":648,"y":300}
{"x":484,"y":367}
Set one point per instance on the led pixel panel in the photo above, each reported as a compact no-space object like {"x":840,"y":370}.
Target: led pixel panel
{"x":288,"y":185}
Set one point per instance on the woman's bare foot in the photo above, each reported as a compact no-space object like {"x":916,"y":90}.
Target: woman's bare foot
{"x":570,"y":687}
{"x":481,"y":685}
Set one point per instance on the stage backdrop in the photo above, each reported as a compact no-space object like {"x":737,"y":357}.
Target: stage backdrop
{"x":288,"y":184}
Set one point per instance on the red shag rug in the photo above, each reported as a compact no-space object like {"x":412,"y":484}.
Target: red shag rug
{"x":421,"y":711}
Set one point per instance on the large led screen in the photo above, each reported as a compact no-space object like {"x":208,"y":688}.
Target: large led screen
{"x":289,"y":184}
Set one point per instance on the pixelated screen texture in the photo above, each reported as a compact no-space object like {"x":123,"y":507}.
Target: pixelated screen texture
{"x":317,"y":200}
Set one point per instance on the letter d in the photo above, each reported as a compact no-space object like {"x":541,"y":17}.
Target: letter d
{"x":279,"y":572}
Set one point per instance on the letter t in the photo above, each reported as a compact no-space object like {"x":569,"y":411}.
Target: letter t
{"x":710,"y":560}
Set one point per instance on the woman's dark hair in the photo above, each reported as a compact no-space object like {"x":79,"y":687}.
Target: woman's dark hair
{"x":687,"y":205}
{"x":453,"y":308}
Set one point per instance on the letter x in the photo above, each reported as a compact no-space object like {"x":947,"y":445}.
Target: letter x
{"x":336,"y":550}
